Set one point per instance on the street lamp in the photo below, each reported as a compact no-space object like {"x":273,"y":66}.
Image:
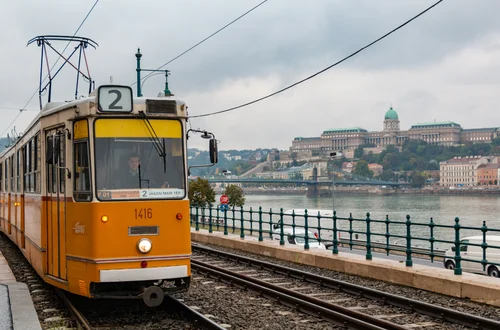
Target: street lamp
{"x":223,"y":180}
{"x":333,"y":156}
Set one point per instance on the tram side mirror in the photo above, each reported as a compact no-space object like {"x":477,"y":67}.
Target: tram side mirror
{"x":52,"y":150}
{"x":213,"y":151}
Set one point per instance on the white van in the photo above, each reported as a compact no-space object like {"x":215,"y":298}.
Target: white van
{"x":476,"y":253}
{"x":312,"y":218}
{"x":297,"y":237}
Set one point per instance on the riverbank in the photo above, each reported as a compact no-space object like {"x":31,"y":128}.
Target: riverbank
{"x":299,"y":191}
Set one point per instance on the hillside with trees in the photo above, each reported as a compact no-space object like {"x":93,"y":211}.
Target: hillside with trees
{"x":235,"y":161}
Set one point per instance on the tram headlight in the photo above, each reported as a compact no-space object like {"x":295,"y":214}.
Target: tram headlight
{"x":144,"y":245}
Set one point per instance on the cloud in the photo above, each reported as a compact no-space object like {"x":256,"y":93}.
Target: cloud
{"x":442,"y":66}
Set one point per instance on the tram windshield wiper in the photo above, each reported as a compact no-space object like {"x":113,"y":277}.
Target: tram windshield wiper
{"x":159,"y":144}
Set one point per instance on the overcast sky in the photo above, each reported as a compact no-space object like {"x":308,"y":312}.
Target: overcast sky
{"x":444,"y":66}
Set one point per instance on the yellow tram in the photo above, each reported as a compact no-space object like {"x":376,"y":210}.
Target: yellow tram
{"x":94,"y":193}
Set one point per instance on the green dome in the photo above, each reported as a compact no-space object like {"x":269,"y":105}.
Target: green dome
{"x":391,"y":114}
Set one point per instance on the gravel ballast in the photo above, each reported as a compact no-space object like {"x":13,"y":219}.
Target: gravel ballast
{"x":462,"y":305}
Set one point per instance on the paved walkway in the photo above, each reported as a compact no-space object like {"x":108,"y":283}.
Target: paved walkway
{"x":16,"y":307}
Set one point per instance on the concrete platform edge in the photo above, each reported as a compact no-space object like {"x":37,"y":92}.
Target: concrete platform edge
{"x":478,"y":288}
{"x":24,"y":316}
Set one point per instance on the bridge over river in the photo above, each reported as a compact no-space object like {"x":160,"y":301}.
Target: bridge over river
{"x":314,"y":186}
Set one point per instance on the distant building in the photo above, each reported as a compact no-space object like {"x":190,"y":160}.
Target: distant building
{"x":376,"y":169}
{"x":442,"y":133}
{"x":348,"y":166}
{"x":487,"y":174}
{"x":463,"y":170}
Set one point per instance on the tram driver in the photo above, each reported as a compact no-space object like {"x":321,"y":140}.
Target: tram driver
{"x":132,"y":177}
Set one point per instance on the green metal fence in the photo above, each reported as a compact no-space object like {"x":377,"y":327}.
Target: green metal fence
{"x":383,"y":234}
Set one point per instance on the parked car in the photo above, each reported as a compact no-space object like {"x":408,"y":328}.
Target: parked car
{"x":476,"y":253}
{"x":297,"y":237}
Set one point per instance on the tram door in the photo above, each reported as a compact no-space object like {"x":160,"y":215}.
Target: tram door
{"x":56,"y":203}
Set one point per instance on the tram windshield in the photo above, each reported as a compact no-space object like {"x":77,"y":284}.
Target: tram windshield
{"x":134,"y":161}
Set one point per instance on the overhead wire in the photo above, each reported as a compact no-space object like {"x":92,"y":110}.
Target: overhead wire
{"x":38,"y":88}
{"x":17,"y":109}
{"x":202,"y":41}
{"x":321,"y":71}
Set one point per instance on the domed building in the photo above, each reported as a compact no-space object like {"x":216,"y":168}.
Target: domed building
{"x":391,"y":121}
{"x":442,"y":133}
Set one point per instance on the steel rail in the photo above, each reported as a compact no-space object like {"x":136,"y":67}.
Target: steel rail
{"x":194,"y":316}
{"x":81,"y":321}
{"x":424,"y":308}
{"x":335,"y":314}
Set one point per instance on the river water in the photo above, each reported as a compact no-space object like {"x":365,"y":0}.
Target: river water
{"x":471,"y":211}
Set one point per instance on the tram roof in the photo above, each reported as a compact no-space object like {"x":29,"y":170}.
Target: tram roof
{"x":54,"y":107}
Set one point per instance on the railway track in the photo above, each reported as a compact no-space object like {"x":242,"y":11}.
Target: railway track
{"x":197,"y":319}
{"x":81,"y":320}
{"x":339,"y":302}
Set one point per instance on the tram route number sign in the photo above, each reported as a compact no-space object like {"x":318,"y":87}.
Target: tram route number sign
{"x":224,"y":199}
{"x":114,"y":98}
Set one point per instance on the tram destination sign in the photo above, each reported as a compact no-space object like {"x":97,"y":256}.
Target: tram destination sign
{"x":114,"y":98}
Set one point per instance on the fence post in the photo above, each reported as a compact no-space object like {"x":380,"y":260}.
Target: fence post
{"x":431,"y":239}
{"x":387,"y":235}
{"x":319,"y":226}
{"x":368,"y":238}
{"x":270,"y":223}
{"x":458,"y":265}
{"x":217,"y":224}
{"x":260,"y":224}
{"x":409,"y":262}
{"x":350,"y":231}
{"x":306,"y":229}
{"x":242,"y":226}
{"x":225,"y":221}
{"x":282,"y":240}
{"x":251,"y":221}
{"x":197,"y":223}
{"x":484,"y":245}
{"x":210,"y":229}
{"x":335,"y":249}
{"x":203,"y":217}
{"x":234,"y":218}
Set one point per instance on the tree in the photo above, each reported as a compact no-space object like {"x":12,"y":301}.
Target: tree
{"x":235,"y":195}
{"x":387,"y":175}
{"x":358,"y":152}
{"x":496,"y":141}
{"x":362,"y":169}
{"x":201,"y":193}
{"x":417,"y":180}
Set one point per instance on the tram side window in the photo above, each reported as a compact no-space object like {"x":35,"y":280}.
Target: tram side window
{"x":26,"y":170}
{"x":18,"y":171}
{"x":62,"y":163}
{"x":6,"y":175}
{"x":83,"y":191}
{"x":51,"y":172}
{"x":11,"y":172}
{"x":37,"y":158}
{"x":29,"y":166}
